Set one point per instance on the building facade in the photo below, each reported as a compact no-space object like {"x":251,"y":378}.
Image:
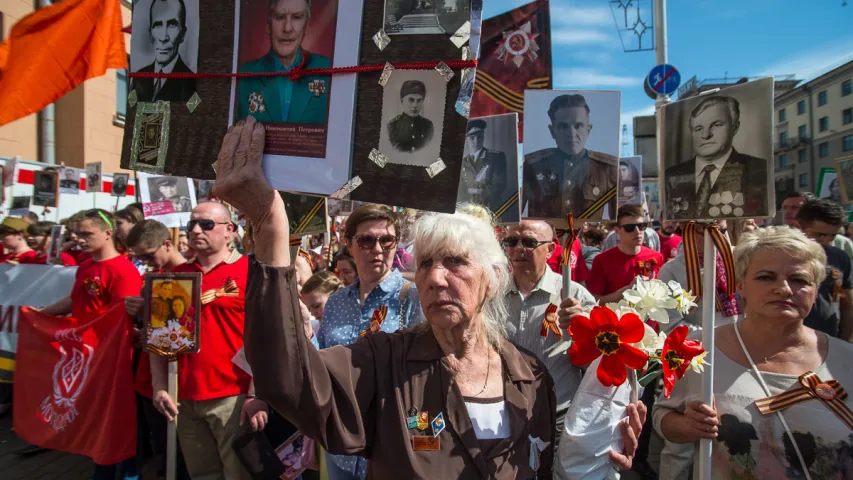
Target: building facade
{"x":88,"y":121}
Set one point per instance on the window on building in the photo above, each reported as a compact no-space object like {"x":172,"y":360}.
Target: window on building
{"x":804,"y":180}
{"x":823,"y":150}
{"x":782,"y":116}
{"x":847,"y":143}
{"x":801,"y":132}
{"x":783,"y":139}
{"x":802,"y":155}
{"x":121,"y":94}
{"x":783,"y":161}
{"x":846,"y":87}
{"x":823,"y":124}
{"x":821,"y":98}
{"x":801,"y":107}
{"x":847,"y":116}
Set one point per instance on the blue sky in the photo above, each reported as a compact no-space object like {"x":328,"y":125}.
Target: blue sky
{"x":706,"y":38}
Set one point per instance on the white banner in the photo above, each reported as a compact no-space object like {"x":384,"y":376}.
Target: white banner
{"x":31,"y":286}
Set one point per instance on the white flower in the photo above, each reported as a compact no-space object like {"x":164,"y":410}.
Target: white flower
{"x":686,"y":302}
{"x":651,"y":299}
{"x":652,"y":341}
{"x":622,"y":308}
{"x":697,"y":364}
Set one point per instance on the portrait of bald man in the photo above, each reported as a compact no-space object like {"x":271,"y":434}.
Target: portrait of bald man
{"x":167,"y":31}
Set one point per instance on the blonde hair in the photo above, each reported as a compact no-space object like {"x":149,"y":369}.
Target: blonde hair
{"x":791,"y":241}
{"x":478,"y":211}
{"x":473,"y":238}
{"x":324,"y":283}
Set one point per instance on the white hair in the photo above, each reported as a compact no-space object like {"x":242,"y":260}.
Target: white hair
{"x":789,"y":240}
{"x":472,"y":238}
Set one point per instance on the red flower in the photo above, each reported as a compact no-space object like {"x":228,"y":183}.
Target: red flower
{"x":676,"y":356}
{"x":605,"y":334}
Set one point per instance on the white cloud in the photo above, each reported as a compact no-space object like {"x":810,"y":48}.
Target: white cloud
{"x":809,"y":64}
{"x":590,"y":77}
{"x":573,"y":25}
{"x":573,"y":36}
{"x":586,"y":16}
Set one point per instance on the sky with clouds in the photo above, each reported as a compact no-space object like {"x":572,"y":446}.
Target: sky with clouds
{"x":706,"y":38}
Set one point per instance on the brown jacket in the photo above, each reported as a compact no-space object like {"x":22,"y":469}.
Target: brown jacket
{"x":354,"y":400}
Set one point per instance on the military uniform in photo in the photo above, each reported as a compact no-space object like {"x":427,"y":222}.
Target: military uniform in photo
{"x":409,"y":133}
{"x":179,"y":202}
{"x":484,"y":174}
{"x":556,"y":183}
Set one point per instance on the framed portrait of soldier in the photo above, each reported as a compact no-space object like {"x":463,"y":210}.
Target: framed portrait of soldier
{"x":94,"y":177}
{"x":571,"y":147}
{"x":490,"y":166}
{"x":54,"y":247}
{"x":165,"y":40}
{"x":45,"y":188}
{"x":20,"y":205}
{"x":119,"y":186}
{"x":844,"y":174}
{"x":172,"y":309}
{"x":69,"y":180}
{"x":169,"y":200}
{"x":630,"y":181}
{"x":716,"y":154}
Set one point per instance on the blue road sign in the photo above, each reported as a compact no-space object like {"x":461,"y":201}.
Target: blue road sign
{"x":664,"y":79}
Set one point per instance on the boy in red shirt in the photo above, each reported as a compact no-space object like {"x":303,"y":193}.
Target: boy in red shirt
{"x":100,"y":282}
{"x":38,"y":238}
{"x":12,"y":232}
{"x":614,"y":270}
{"x":669,"y":240}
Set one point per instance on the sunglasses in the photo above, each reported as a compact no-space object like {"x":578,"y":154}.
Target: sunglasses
{"x":526,"y":242}
{"x":629,"y":227}
{"x":205,"y":224}
{"x":367,"y":242}
{"x":148,"y":257}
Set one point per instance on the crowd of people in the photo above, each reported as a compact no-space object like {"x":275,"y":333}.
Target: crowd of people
{"x":409,"y":346}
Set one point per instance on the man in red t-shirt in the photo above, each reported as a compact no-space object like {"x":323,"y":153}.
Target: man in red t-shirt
{"x":555,"y":261}
{"x":614,"y":270}
{"x":216,"y":397}
{"x":38,"y":238}
{"x":669,"y":240}
{"x":100,"y":282}
{"x":12,"y":232}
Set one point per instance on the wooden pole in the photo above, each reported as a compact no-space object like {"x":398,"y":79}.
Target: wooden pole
{"x":172,"y":427}
{"x":708,"y":288}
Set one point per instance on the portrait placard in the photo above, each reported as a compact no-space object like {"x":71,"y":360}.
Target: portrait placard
{"x":290,"y":454}
{"x":716,"y":154}
{"x":305,"y":214}
{"x":45,"y":188}
{"x":94,"y":177}
{"x":490,"y":166}
{"x":120,"y":181}
{"x":630,"y":179}
{"x":172,"y":309}
{"x":203,"y":190}
{"x":829,"y":188}
{"x":150,"y":137}
{"x":10,"y":172}
{"x":169,"y":200}
{"x":69,"y":180}
{"x":54,"y":247}
{"x":20,"y":206}
{"x":571,"y":147}
{"x":844,"y":169}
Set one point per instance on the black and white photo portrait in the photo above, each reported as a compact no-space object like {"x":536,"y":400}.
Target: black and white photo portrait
{"x":171,"y":189}
{"x":844,"y":169}
{"x":571,"y":145}
{"x":425,"y":17}
{"x":413,"y":117}
{"x":164,"y":40}
{"x":69,"y":180}
{"x":716,"y":151}
{"x":94,"y":179}
{"x":490,"y":165}
{"x":630,"y":178}
{"x":45,"y":188}
{"x":120,"y":181}
{"x":203,"y":188}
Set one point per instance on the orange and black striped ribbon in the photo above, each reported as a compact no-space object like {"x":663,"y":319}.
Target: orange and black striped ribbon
{"x":647,"y":267}
{"x":304,"y":254}
{"x":376,"y":321}
{"x":295,"y":241}
{"x":830,"y":393}
{"x":599,"y":204}
{"x":571,"y":236}
{"x":549,"y":322}
{"x":691,"y":257}
{"x":230,"y":290}
{"x":506,"y":205}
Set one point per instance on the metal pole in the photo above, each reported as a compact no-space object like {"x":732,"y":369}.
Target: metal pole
{"x":709,"y":283}
{"x":47,"y":117}
{"x":660,"y":43}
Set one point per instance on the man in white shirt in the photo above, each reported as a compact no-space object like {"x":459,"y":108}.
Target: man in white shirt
{"x":168,"y":28}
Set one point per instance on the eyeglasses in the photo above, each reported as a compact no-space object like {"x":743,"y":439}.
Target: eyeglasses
{"x":148,"y":257}
{"x":367,"y":242}
{"x":629,"y":227}
{"x":526,"y":242}
{"x":205,"y":223}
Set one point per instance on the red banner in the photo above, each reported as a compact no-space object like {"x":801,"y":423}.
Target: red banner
{"x":73,"y":385}
{"x":515,"y":55}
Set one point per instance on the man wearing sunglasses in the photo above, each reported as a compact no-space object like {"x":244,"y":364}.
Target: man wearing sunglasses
{"x":614,"y":270}
{"x":535,"y":286}
{"x":832,"y":312}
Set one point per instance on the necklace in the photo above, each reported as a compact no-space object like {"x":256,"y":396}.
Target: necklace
{"x":789,"y":349}
{"x":488,"y":370}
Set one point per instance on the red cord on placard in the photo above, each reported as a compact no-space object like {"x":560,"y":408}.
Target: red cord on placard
{"x":299,"y":72}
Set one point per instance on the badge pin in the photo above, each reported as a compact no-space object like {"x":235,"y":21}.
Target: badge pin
{"x":438,"y":424}
{"x":412,"y":422}
{"x":423,"y":421}
{"x":413,"y":412}
{"x":596,"y":190}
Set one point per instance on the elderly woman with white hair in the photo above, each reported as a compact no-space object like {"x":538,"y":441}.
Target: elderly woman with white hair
{"x":780,"y":410}
{"x":450,"y":398}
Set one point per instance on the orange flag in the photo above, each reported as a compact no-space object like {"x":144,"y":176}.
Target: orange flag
{"x":55,"y":49}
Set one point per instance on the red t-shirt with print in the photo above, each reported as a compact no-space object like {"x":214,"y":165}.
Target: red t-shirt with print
{"x":210,"y":373}
{"x":579,"y":270}
{"x":67,"y":260}
{"x":612,"y":269}
{"x":100,"y":284}
{"x":669,"y":246}
{"x":16,"y":258}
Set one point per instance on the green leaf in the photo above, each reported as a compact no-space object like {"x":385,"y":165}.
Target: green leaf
{"x":649,"y":377}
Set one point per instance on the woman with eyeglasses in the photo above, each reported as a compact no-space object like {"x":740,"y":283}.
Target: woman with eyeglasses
{"x":371,"y":236}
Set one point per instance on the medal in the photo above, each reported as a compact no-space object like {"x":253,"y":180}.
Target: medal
{"x":596,"y":190}
{"x":438,"y":424}
{"x":423,"y":443}
{"x":423,"y":421}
